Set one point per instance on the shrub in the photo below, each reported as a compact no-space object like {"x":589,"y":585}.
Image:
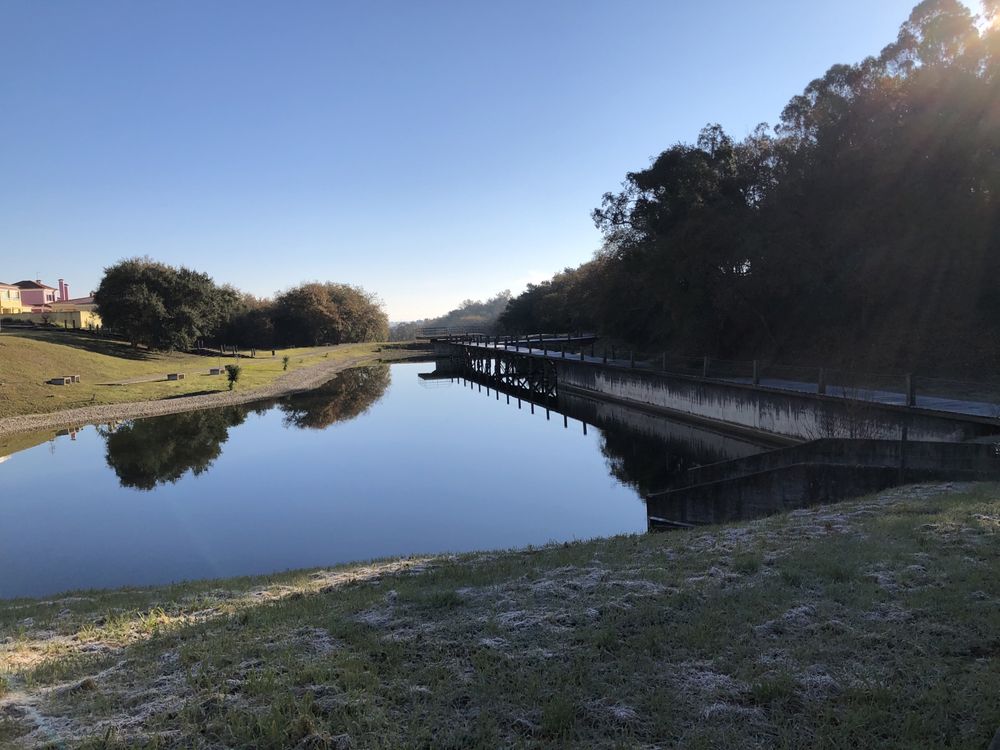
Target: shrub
{"x":233,"y":373}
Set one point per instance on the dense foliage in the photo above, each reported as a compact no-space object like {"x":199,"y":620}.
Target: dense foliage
{"x":863,"y":227}
{"x":163,"y":307}
{"x":472,"y":314}
{"x":328,"y":313}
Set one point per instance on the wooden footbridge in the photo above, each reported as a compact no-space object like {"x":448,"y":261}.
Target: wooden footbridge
{"x":525,"y":364}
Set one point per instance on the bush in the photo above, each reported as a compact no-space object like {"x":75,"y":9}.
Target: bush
{"x":233,"y":373}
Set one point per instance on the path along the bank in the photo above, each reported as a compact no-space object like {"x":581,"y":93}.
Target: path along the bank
{"x":296,"y":381}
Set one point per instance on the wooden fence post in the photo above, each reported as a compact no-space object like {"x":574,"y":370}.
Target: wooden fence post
{"x":704,"y":367}
{"x":756,"y":372}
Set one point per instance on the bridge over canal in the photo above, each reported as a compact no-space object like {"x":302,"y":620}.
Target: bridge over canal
{"x":855,"y":446}
{"x":542,"y":365}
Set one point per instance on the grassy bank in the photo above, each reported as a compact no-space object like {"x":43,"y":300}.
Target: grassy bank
{"x":872,"y":623}
{"x":113,"y":372}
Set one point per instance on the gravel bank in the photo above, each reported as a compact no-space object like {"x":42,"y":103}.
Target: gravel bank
{"x":296,"y":381}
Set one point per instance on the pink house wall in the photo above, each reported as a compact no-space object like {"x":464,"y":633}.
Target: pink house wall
{"x":37,"y":296}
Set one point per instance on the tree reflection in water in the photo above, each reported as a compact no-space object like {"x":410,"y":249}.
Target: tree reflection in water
{"x":642,"y":462}
{"x":347,"y":396}
{"x":145,"y":453}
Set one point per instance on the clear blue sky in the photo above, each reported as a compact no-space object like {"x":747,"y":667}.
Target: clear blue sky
{"x":428,"y":151}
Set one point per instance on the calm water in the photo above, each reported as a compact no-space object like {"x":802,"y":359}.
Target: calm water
{"x":379,"y":462}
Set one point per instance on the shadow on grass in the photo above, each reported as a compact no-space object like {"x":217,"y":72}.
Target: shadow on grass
{"x":82,"y":340}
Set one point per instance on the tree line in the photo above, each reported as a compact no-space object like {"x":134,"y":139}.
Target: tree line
{"x":164,"y":307}
{"x":470,"y":314}
{"x":862,"y":228}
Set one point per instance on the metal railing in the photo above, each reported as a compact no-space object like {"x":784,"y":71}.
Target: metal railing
{"x":900,"y":389}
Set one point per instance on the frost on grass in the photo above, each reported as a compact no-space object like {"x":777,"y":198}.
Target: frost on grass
{"x":744,"y":633}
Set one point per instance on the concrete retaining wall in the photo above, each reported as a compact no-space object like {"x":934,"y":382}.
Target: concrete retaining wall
{"x":785,"y":413}
{"x":769,"y":492}
{"x":974,"y":459}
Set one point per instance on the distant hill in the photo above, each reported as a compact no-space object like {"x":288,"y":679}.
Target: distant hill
{"x":473,"y":313}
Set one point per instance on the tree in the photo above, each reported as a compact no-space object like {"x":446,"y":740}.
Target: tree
{"x":862,"y":230}
{"x":328,"y":313}
{"x":471,"y":314}
{"x":251,"y":323}
{"x":161,"y":306}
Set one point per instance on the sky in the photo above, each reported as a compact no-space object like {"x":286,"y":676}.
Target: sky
{"x":429,"y":151}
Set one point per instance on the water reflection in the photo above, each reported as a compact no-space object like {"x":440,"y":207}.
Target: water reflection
{"x":649,"y":452}
{"x":349,"y":395}
{"x":643,"y":450}
{"x":263,"y":487}
{"x":146,"y":453}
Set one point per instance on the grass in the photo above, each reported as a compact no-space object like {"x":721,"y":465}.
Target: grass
{"x":872,"y":623}
{"x":30,"y":358}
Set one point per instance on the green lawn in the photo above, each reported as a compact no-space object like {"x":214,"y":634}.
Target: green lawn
{"x":29,"y":359}
{"x":872,"y":623}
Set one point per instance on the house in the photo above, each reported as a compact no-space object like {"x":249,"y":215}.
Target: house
{"x":42,"y":304}
{"x":10,"y":299}
{"x":78,"y":303}
{"x":36,"y":294}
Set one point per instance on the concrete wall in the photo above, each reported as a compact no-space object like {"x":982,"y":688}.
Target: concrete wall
{"x":767,"y":493}
{"x":62,"y":318}
{"x":703,"y":442}
{"x":971,"y":459}
{"x":783,"y":413}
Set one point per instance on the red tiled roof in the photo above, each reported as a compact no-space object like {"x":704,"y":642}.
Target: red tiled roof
{"x":26,"y":284}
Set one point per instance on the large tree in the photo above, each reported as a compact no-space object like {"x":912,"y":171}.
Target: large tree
{"x":327,"y":313}
{"x":161,"y":306}
{"x":862,"y":230}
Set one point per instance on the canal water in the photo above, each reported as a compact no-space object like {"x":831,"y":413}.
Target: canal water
{"x":382,"y":461}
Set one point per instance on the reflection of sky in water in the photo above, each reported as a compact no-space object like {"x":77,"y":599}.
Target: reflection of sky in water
{"x":426,"y":469}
